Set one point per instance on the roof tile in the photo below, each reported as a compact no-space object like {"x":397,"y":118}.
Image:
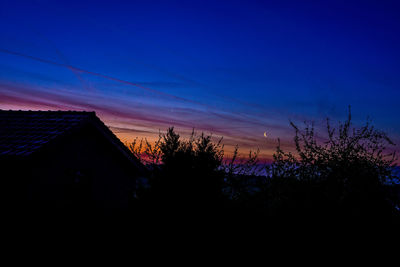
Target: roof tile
{"x":23,"y":132}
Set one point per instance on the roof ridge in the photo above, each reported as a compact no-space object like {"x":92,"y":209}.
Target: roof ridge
{"x":24,"y":131}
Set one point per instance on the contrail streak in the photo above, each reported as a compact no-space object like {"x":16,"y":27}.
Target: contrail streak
{"x":245,"y":118}
{"x":103,"y":76}
{"x":61,"y":57}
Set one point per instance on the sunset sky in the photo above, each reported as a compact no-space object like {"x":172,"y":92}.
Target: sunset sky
{"x":235,"y":69}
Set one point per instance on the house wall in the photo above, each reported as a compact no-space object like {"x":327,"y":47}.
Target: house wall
{"x":84,"y":172}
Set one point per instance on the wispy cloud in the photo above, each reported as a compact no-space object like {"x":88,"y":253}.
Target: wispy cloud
{"x":128,"y":118}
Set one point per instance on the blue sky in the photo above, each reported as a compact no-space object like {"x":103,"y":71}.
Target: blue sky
{"x":233,"y":68}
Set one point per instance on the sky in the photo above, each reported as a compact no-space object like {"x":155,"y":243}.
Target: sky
{"x":233,"y":69}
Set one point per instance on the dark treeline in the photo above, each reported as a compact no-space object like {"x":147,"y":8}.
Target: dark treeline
{"x":349,"y":174}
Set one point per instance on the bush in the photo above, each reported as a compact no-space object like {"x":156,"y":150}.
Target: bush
{"x":185,"y":174}
{"x":347,"y":173}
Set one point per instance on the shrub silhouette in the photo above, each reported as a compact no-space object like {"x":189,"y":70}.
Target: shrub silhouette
{"x":347,"y":174}
{"x":186,"y":175}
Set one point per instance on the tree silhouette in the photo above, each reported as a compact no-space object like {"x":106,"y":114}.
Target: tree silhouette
{"x":189,"y":176}
{"x":349,"y":171}
{"x":346,"y":174}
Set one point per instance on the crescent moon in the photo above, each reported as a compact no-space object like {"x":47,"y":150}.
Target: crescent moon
{"x":265,"y":134}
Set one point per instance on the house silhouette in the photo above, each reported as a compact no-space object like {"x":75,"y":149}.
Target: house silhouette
{"x":56,"y":161}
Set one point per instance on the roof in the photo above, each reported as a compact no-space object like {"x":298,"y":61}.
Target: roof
{"x":24,"y":132}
